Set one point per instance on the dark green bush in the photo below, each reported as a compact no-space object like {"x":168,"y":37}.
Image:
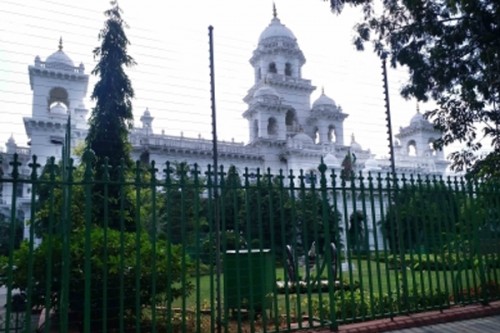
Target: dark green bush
{"x":113,"y":254}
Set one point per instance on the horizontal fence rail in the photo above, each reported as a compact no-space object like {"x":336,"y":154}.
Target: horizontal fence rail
{"x":134,"y":250}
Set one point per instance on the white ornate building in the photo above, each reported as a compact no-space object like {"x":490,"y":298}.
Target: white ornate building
{"x":286,"y":132}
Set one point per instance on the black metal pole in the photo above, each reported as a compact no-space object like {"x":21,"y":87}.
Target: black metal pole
{"x":388,"y":114}
{"x":216,"y":184}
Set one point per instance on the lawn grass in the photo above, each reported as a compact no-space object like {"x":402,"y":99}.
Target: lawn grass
{"x":375,"y":279}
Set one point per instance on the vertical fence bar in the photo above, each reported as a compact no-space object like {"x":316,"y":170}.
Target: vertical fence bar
{"x":12,"y":235}
{"x":50,"y":242}
{"x":121,"y":283}
{"x":105,"y":255}
{"x":34,"y":181}
{"x":138,"y":262}
{"x":154,"y":234}
{"x":385,"y":240}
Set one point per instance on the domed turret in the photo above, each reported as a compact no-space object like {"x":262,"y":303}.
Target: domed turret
{"x":266,"y":91}
{"x":303,"y":138}
{"x":331,"y":161}
{"x":276,"y":29}
{"x":324,"y":100}
{"x":59,"y":60}
{"x":418,"y":118}
{"x":372,"y":165}
{"x":354,"y":145}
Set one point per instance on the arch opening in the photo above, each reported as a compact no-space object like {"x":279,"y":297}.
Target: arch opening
{"x":272,"y":126}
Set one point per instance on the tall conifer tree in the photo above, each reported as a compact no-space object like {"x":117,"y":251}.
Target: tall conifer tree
{"x":111,"y":117}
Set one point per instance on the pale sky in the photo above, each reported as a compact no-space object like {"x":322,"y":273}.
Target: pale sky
{"x":170,"y":45}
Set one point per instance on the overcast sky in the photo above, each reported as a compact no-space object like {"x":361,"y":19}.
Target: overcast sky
{"x":169,"y":41}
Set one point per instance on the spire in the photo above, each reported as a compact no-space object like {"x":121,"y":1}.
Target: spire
{"x":275,"y":12}
{"x":353,"y":140}
{"x":322,"y":90}
{"x":418,"y":108}
{"x":60,"y":44}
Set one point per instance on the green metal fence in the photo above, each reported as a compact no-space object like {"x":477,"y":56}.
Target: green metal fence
{"x":299,"y":250}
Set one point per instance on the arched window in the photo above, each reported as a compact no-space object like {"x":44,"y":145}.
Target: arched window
{"x":272,"y":68}
{"x":58,"y":94}
{"x":412,"y":148}
{"x":255,"y":128}
{"x":259,"y":74}
{"x":431,"y":147}
{"x":316,"y":135}
{"x":290,"y":120}
{"x":272,"y":126}
{"x":332,"y":137}
{"x":288,"y":69}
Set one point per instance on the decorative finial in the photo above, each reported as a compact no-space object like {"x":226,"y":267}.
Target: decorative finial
{"x":275,"y":12}
{"x":418,"y":108}
{"x":322,"y":90}
{"x":60,"y":44}
{"x":352,"y":138}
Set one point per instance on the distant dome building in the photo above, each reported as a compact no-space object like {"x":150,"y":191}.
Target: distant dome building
{"x":286,"y":131}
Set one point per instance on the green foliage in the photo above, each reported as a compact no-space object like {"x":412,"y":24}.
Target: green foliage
{"x":451,"y":49}
{"x":6,"y":232}
{"x":313,"y":224}
{"x":356,"y":231}
{"x":112,"y":253}
{"x":267,"y":214}
{"x":181,"y":208}
{"x":423,"y":215}
{"x":112,"y":116}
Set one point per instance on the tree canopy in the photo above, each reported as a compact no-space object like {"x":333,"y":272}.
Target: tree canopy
{"x":112,"y":115}
{"x":451,"y":49}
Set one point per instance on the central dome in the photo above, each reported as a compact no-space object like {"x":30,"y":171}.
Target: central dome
{"x":59,"y":60}
{"x":419,"y":119}
{"x":324,"y":100}
{"x":276,"y":29}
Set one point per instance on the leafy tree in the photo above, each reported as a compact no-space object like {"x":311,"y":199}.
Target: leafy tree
{"x":423,"y":215}
{"x":5,"y":233}
{"x":112,"y":115}
{"x":452,"y":51}
{"x":118,"y":265}
{"x":356,"y":231}
{"x":266,"y":215}
{"x":312,"y":223}
{"x":181,"y":206}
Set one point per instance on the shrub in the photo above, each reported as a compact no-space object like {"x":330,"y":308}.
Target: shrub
{"x":113,"y":266}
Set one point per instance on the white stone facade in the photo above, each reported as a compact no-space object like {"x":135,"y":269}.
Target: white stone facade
{"x":286,"y":132}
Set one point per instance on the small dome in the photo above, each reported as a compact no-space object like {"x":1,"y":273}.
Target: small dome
{"x":276,"y":29}
{"x":147,"y":113}
{"x":303,"y":138}
{"x":58,"y":108}
{"x":354,"y":145}
{"x":265,"y":91}
{"x":324,"y":100}
{"x":372,"y":165}
{"x":419,"y":119}
{"x":59,"y":59}
{"x":11,"y":140}
{"x":331,"y":161}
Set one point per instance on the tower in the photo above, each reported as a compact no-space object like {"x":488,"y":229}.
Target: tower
{"x":279,"y":100}
{"x":59,"y":89}
{"x":416,"y":144}
{"x":326,"y":121}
